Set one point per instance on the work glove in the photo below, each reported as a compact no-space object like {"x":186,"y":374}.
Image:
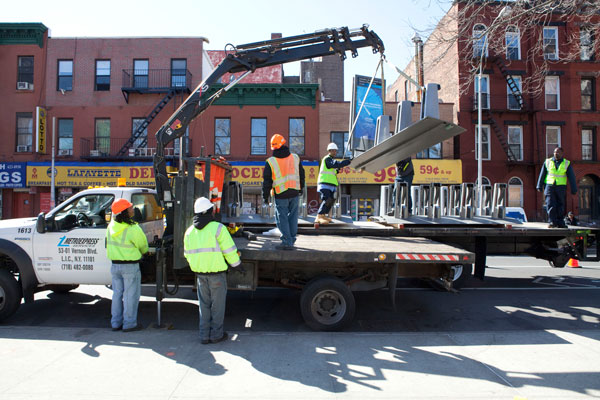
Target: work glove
{"x":240,"y":268}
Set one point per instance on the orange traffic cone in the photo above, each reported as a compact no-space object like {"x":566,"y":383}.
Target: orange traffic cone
{"x":573,"y":263}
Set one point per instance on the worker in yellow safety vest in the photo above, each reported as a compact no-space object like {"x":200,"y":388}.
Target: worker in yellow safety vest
{"x":555,"y":173}
{"x":126,"y":243}
{"x":209,"y":249}
{"x":284,"y":174}
{"x":327,"y":183}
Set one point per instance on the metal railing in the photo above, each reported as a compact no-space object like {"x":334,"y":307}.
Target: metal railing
{"x":155,"y":80}
{"x":109,"y":147}
{"x":497,"y":103}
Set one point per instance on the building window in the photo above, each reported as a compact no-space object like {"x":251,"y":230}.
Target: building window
{"x":479,"y":41}
{"x":185,"y":139}
{"x":341,"y":140}
{"x":136,"y":125}
{"x":586,"y":43}
{"x":25,"y":69}
{"x":222,"y":136}
{"x":140,"y":73}
{"x":24,"y":132}
{"x":485,"y":91}
{"x":65,"y":137}
{"x":258,"y":134}
{"x":514,"y":101}
{"x":551,"y":43}
{"x":552,"y":88}
{"x":178,"y":71}
{"x":552,"y":139}
{"x":587,"y":94}
{"x":297,"y":135}
{"x":588,"y":144}
{"x":515,"y":192}
{"x":513,"y":43}
{"x":485,"y":142}
{"x":515,"y":141}
{"x":434,"y":151}
{"x":102,"y":136}
{"x":65,"y":75}
{"x":102,"y":75}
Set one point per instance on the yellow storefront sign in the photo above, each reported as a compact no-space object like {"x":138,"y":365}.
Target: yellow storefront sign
{"x":89,"y":174}
{"x":426,"y":171}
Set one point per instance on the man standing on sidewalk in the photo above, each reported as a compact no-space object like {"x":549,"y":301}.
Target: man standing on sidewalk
{"x":208,"y":248}
{"x":126,"y":243}
{"x":284,"y":174}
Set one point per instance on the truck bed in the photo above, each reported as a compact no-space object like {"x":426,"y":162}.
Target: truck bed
{"x":353,"y":249}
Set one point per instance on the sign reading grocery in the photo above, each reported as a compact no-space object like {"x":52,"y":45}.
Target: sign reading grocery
{"x":426,"y":171}
{"x":76,"y":174}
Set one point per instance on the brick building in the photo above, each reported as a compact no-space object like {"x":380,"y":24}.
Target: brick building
{"x":520,"y":130}
{"x":104,"y":98}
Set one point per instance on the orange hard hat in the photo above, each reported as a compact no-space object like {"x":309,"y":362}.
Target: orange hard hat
{"x":277,"y":141}
{"x":120,"y":205}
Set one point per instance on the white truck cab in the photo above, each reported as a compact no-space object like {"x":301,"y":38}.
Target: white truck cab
{"x":67,"y":245}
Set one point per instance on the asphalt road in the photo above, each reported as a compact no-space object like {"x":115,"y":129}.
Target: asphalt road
{"x":517,"y":293}
{"x":527,"y":332}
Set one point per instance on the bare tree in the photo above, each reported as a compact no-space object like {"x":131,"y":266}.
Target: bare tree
{"x":471,"y":26}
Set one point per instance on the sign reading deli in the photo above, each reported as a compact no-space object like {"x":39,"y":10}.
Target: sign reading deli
{"x":80,"y":174}
{"x":426,"y":171}
{"x":40,"y":130}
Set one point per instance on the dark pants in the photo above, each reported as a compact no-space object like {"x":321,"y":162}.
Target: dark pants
{"x":327,"y":201}
{"x":555,"y":203}
{"x":408,"y":179}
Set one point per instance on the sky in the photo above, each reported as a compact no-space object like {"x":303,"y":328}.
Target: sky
{"x":240,"y":22}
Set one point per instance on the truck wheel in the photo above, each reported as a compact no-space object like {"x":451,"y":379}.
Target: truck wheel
{"x":61,"y":289}
{"x":10,"y":294}
{"x":462,"y":273}
{"x":327,"y":304}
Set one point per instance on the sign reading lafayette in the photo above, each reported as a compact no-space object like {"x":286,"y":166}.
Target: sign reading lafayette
{"x":76,"y":174}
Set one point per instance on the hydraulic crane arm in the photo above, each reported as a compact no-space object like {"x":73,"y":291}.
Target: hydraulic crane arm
{"x":249,"y":57}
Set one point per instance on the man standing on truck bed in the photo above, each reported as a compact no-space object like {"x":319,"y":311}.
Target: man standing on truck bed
{"x":284,"y":174}
{"x":554,"y":175}
{"x":327,"y":182}
{"x":208,"y":248}
{"x":126,"y":243}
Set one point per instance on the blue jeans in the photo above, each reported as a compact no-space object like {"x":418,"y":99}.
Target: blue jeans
{"x":286,"y":216}
{"x":212,"y":293}
{"x":126,"y":286}
{"x":327,"y":201}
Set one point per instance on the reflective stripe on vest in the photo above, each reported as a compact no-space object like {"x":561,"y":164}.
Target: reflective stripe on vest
{"x":556,"y":176}
{"x":285,"y":173}
{"x":203,"y":251}
{"x":327,"y":175}
{"x":121,"y":243}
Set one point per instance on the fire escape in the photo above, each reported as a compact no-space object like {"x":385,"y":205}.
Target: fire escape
{"x":153,"y":81}
{"x":517,"y":96}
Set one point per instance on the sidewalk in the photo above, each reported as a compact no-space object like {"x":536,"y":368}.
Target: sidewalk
{"x":75,"y":363}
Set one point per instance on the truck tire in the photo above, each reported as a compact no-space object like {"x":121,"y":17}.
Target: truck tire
{"x":327,"y":304}
{"x":10,"y":294}
{"x":462,"y":273}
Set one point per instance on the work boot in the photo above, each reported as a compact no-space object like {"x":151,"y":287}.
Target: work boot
{"x":327,"y":217}
{"x":321,"y":219}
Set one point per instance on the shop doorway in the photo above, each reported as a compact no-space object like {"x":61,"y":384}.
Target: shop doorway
{"x":589,"y":198}
{"x":21,"y":205}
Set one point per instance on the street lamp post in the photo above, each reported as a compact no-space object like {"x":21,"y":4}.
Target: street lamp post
{"x":505,"y":10}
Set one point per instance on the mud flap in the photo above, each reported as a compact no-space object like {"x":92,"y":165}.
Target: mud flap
{"x":480,"y":256}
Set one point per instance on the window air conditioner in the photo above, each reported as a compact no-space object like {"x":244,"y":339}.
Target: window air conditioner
{"x":94,"y":153}
{"x":65,"y":152}
{"x":24,"y":86}
{"x":22,"y":148}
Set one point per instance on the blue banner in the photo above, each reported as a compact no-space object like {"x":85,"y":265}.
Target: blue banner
{"x":364,"y":130}
{"x":13,"y":174}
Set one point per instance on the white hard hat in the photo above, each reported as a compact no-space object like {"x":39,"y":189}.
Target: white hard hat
{"x":332,"y":146}
{"x":202,"y":205}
